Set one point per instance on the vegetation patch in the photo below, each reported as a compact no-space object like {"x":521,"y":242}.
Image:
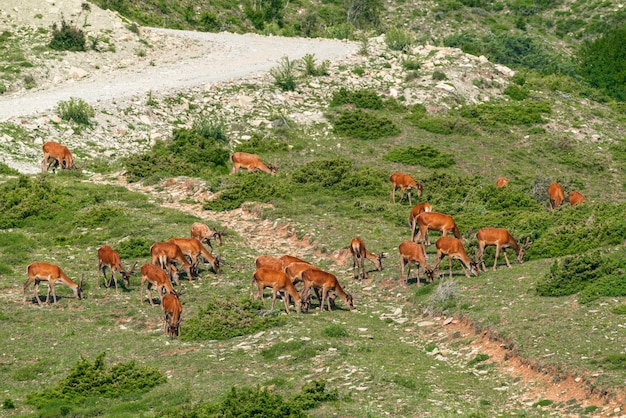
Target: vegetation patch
{"x":502,"y":115}
{"x":224,"y":318}
{"x":76,"y":110}
{"x":363,"y":125}
{"x":27,"y":197}
{"x":95,"y":379}
{"x":67,"y":37}
{"x":421,"y":155}
{"x":364,"y":99}
{"x":256,"y":187}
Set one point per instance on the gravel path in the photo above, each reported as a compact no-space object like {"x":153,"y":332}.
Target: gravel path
{"x":221,"y":57}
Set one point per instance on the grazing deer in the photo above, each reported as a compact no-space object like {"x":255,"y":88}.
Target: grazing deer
{"x":40,"y":271}
{"x":154,"y":276}
{"x":453,"y":248}
{"x":413,"y":253}
{"x":55,"y":155}
{"x":502,"y":182}
{"x":502,"y":239}
{"x":415,"y":211}
{"x":288,"y":259}
{"x":269,"y":262}
{"x":404,"y":182}
{"x":294,"y":271}
{"x":434,"y":221}
{"x":359,"y":254}
{"x":108,"y":257}
{"x":203,"y":233}
{"x":576,"y":198}
{"x":163,"y":255}
{"x":326,"y":282}
{"x":194,"y":249}
{"x":250,"y":162}
{"x":172,"y":310}
{"x":556,"y":195}
{"x":278,"y":281}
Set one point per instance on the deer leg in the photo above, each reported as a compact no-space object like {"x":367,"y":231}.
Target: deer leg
{"x":51,"y":291}
{"x":450,"y":263}
{"x":393,"y":194}
{"x":36,"y":292}
{"x":506,"y":258}
{"x":409,"y":193}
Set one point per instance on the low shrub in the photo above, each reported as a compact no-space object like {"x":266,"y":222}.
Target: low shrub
{"x":325,"y":173}
{"x":134,"y":247}
{"x":222,"y":318}
{"x":591,"y":275}
{"x":258,"y":145}
{"x":76,"y":110}
{"x":335,"y":331}
{"x":421,"y":155}
{"x":284,"y":74}
{"x":444,"y":125}
{"x":68,"y":37}
{"x":311,"y":68}
{"x":24,"y":198}
{"x":257,"y":187}
{"x":398,"y":39}
{"x":516,"y":92}
{"x":498,"y":115}
{"x":364,"y":99}
{"x":366,"y":126}
{"x":94,"y":379}
{"x":5,"y":169}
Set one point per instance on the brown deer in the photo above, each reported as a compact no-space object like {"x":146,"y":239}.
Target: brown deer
{"x":154,"y":276}
{"x":269,"y":262}
{"x":40,"y":271}
{"x":502,"y":239}
{"x":415,"y":211}
{"x":164,"y":254}
{"x":56,"y":155}
{"x":502,"y":182}
{"x":404,"y":182}
{"x":326,"y":282}
{"x":427,"y":221}
{"x":359,"y":254}
{"x":278,"y":281}
{"x":453,"y":248}
{"x":413,"y":253}
{"x":250,"y":162}
{"x":203,"y":233}
{"x":194,"y":249}
{"x":172,"y":311}
{"x":556,"y":195}
{"x":108,"y":257}
{"x":576,"y":198}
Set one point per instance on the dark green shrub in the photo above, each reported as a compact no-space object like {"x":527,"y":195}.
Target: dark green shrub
{"x":76,"y":110}
{"x":5,"y":169}
{"x":439,"y":75}
{"x":366,"y":126}
{"x":285,"y":74}
{"x":24,"y":198}
{"x":364,"y":14}
{"x":312,"y":69}
{"x":259,"y":145}
{"x":223,"y":318}
{"x":364,"y":99}
{"x":398,"y":39}
{"x":602,"y":62}
{"x":516,"y":92}
{"x":324,"y":173}
{"x":67,"y":38}
{"x":134,"y":247}
{"x":444,"y":125}
{"x":8,"y":404}
{"x":364,"y":181}
{"x":265,"y":13}
{"x":210,"y":129}
{"x":612,"y":361}
{"x":421,"y":155}
{"x":97,"y":216}
{"x":257,"y":187}
{"x":87,"y":380}
{"x":496,"y":115}
{"x":590,"y":275}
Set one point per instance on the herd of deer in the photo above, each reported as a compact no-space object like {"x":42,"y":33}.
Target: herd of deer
{"x":283,"y":274}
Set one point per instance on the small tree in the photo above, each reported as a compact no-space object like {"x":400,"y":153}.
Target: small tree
{"x":67,"y":38}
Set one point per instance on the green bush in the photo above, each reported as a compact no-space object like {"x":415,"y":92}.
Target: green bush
{"x":421,"y":155}
{"x":87,"y":380}
{"x":265,"y":13}
{"x":591,"y":276}
{"x":325,"y":173}
{"x":285,"y":74}
{"x":134,"y":247}
{"x":499,"y":115}
{"x":312,"y":69}
{"x":444,"y":125}
{"x":335,"y":331}
{"x":98,"y":215}
{"x":6,"y":170}
{"x":67,"y":38}
{"x":364,"y":99}
{"x":257,"y":187}
{"x":366,"y":126}
{"x":439,"y":75}
{"x":259,"y":144}
{"x":76,"y":110}
{"x":24,"y":198}
{"x":222,"y":318}
{"x":516,"y":92}
{"x":602,"y":62}
{"x":398,"y":39}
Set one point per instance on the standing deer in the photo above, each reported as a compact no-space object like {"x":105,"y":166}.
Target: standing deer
{"x":154,"y":276}
{"x":203,"y":233}
{"x":250,"y":162}
{"x":164,"y":254}
{"x":327,"y":283}
{"x":359,"y":254}
{"x":55,"y":155}
{"x":194,"y":249}
{"x":413,"y":253}
{"x":502,"y":239}
{"x":40,"y":271}
{"x":453,"y":248}
{"x":108,"y":257}
{"x":556,"y":195}
{"x":278,"y":281}
{"x":415,"y":211}
{"x":427,"y":221}
{"x":404,"y":182}
{"x":172,"y":310}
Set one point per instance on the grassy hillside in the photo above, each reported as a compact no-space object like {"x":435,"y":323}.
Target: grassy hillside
{"x":454,"y":125}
